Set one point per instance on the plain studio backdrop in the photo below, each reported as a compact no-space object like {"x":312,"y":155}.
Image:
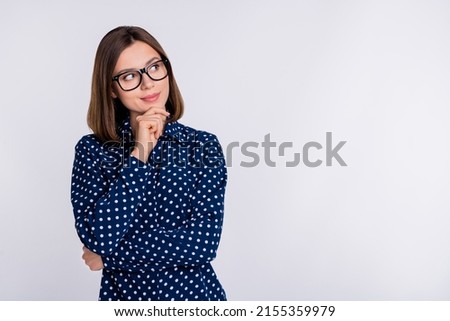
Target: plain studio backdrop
{"x":374,"y":74}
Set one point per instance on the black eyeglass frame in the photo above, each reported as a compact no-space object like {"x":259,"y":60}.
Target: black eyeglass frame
{"x":143,"y":71}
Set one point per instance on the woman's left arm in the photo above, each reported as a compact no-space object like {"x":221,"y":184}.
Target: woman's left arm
{"x":193,"y":243}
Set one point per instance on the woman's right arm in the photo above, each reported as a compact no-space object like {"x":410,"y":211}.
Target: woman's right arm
{"x":104,"y":208}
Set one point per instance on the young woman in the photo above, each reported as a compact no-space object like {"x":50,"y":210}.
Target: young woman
{"x":147,"y":191}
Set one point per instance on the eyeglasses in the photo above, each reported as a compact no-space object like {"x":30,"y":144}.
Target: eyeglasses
{"x":130,"y":80}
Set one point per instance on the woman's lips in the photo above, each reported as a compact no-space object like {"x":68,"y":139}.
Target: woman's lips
{"x":151,"y":98}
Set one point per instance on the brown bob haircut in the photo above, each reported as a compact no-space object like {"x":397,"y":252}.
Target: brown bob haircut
{"x":105,"y":113}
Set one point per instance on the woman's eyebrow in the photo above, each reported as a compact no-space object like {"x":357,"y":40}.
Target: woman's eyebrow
{"x":133,"y":69}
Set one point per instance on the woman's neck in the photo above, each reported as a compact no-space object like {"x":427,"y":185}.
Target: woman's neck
{"x":133,"y":122}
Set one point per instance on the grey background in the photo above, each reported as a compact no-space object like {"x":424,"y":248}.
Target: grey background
{"x":374,"y":73}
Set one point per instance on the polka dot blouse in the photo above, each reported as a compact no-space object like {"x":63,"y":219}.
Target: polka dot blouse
{"x":157,"y":225}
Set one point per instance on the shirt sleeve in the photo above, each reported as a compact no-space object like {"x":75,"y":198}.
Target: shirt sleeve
{"x":104,"y":206}
{"x":196,"y":241}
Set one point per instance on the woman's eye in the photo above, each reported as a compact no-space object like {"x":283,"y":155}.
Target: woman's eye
{"x":128,"y":77}
{"x":154,"y":67}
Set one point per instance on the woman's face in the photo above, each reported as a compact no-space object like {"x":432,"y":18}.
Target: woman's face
{"x":149,"y":93}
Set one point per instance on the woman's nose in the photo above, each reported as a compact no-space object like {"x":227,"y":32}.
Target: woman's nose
{"x":147,"y":82}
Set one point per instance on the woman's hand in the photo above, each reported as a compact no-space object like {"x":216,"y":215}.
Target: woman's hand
{"x":93,"y":260}
{"x":149,"y":127}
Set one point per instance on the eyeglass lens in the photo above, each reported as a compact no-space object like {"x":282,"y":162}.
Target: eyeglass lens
{"x":131,"y":80}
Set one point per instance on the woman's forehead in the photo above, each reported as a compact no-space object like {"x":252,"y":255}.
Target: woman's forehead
{"x":136,"y":56}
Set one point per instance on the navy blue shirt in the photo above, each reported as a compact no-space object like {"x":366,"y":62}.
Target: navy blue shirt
{"x":156,"y":225}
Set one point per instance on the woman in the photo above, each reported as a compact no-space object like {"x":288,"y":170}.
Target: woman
{"x":147,"y":191}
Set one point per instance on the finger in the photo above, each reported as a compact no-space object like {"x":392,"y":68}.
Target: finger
{"x":156,"y":109}
{"x":86,"y":256}
{"x":152,"y":123}
{"x":160,"y":128}
{"x":85,"y":252}
{"x":154,"y":117}
{"x":153,"y":126}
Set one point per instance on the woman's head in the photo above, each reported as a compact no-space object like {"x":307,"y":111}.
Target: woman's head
{"x":121,"y":50}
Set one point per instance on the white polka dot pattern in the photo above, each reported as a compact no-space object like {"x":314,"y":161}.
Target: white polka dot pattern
{"x":156,"y":225}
